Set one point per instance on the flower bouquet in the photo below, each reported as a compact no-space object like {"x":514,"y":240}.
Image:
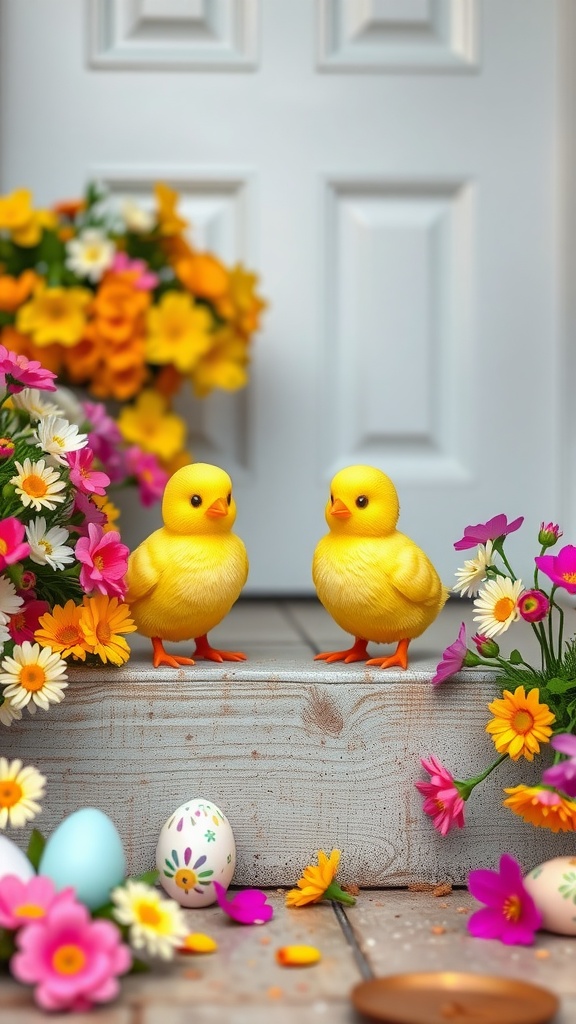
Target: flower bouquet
{"x":114,"y":299}
{"x":62,"y":563}
{"x":537,"y":705}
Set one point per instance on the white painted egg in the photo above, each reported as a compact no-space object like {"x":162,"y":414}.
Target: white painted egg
{"x":196,"y":848}
{"x":13,"y":861}
{"x":552,"y":886}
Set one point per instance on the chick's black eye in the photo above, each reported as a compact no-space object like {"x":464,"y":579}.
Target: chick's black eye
{"x":331,"y":499}
{"x":361,"y":501}
{"x":196,"y":500}
{"x":229,"y":498}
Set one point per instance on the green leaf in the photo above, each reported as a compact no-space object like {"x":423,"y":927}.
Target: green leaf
{"x":557,"y":685}
{"x":148,"y":877}
{"x":515,"y":658}
{"x":7,"y":944}
{"x":35,"y":849}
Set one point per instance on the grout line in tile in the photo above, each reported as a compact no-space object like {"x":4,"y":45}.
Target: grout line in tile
{"x":348,"y":932}
{"x":284,"y":607}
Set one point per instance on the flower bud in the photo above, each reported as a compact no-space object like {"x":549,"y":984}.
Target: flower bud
{"x":7,"y":448}
{"x":549,"y":534}
{"x":533,"y":605}
{"x":485,"y":646}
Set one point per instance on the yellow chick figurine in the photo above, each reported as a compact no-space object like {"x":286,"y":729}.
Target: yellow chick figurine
{"x":185,"y":577}
{"x":375,"y":582}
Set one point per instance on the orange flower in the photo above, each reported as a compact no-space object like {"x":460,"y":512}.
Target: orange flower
{"x":49,"y":355}
{"x":176,"y":248}
{"x":168,"y":382}
{"x":241,"y":304}
{"x":544,"y":807}
{"x":60,"y":630}
{"x":118,"y":308}
{"x":203,"y":275}
{"x":69,"y":208}
{"x":317,"y":883}
{"x":82,"y":361}
{"x":103,"y":620}
{"x":120,"y":383}
{"x":15,"y":290}
{"x":169,"y":222}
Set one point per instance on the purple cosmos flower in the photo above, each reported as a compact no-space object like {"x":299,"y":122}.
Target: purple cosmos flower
{"x":498,"y":526}
{"x":561,"y":568}
{"x":248,"y":906}
{"x":533,"y":605}
{"x":452,"y":658}
{"x":510,"y":913}
{"x":563,"y":775}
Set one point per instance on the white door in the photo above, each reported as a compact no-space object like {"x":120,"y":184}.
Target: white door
{"x":389,"y":166}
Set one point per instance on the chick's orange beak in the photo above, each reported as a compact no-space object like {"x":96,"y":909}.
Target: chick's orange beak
{"x":340,"y":509}
{"x":217,"y":508}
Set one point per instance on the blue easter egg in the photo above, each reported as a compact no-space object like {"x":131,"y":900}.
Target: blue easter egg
{"x":85,"y":852}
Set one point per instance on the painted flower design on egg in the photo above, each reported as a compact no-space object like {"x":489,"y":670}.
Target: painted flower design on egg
{"x":188,"y":876}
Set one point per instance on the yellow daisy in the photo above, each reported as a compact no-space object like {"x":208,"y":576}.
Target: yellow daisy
{"x":60,"y":630}
{"x":38,"y":485}
{"x":155,"y":924}
{"x":179,"y":331}
{"x":20,"y":789}
{"x":33,"y":677}
{"x":497,"y":605}
{"x":520,"y":723}
{"x":542,"y":807}
{"x":109,"y":509}
{"x":102,"y":621}
{"x":222,"y":366}
{"x":148,"y":424}
{"x":55,"y":315}
{"x":317,"y":883}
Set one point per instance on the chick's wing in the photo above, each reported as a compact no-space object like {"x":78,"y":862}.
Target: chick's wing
{"x":144,"y":571}
{"x":411,"y":573}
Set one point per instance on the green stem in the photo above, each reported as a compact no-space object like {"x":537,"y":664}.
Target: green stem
{"x":465,"y":788}
{"x":506,"y":562}
{"x":334,"y":892}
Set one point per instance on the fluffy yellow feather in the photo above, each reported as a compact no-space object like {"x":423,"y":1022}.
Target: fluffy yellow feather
{"x":185,"y":577}
{"x":374,"y":581}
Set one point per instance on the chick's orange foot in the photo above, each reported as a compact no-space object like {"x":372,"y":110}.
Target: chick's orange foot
{"x":161,"y":657}
{"x":399,"y":659}
{"x":205,"y":650}
{"x":356,"y":653}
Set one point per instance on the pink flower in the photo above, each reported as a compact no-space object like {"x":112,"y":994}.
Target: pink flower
{"x":248,"y":906}
{"x":498,"y":526}
{"x":443,"y":801}
{"x":24,"y":623}
{"x":510,"y":913}
{"x":486,"y":646}
{"x":150,"y":476}
{"x":533,"y":605}
{"x":73,"y":961}
{"x":563,"y":775}
{"x":90,"y":511}
{"x":145,"y":280}
{"x":105,"y":440}
{"x":104,"y":562}
{"x":561,"y":568}
{"x":13,"y":548}
{"x":28,"y":582}
{"x":23,"y":902}
{"x":17,"y":372}
{"x":452,"y":658}
{"x":83,"y":476}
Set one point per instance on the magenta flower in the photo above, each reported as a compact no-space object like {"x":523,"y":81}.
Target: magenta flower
{"x":248,"y":906}
{"x":104,"y":562}
{"x":27,"y":583}
{"x":7,"y":448}
{"x":510,"y":913}
{"x":24,"y":623}
{"x":498,"y":526}
{"x":90,"y":512}
{"x":486,"y":646}
{"x":105,"y":440}
{"x":13,"y":547}
{"x":443,"y":801}
{"x":150,"y":476}
{"x":563,"y":775}
{"x":533,"y":605}
{"x":549,"y":534}
{"x":560,"y":568}
{"x":452,"y":658}
{"x":145,"y":280}
{"x":17,"y":372}
{"x":82,"y":474}
{"x":24,"y":902}
{"x":73,"y":961}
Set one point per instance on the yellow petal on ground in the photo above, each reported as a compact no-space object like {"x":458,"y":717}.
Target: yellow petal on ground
{"x":197,"y":942}
{"x":297,"y":956}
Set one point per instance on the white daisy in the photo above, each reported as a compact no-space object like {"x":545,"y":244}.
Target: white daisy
{"x":8,"y":713}
{"x":33,"y":677}
{"x":474,"y":571}
{"x":71,"y":408}
{"x":56,"y":437}
{"x":136,"y":218}
{"x":10,"y":602}
{"x":20,"y":789}
{"x":90,"y":254}
{"x":48,"y":547}
{"x":155,"y":924}
{"x":33,"y":402}
{"x":38,"y":484}
{"x":497,"y":605}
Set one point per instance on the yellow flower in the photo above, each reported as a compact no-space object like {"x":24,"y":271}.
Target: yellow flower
{"x":317,"y":883}
{"x":148,"y":424}
{"x":55,"y":315}
{"x":223,"y":366}
{"x":241,"y":304}
{"x":156,"y":925}
{"x":17,"y":216}
{"x":169,"y":222}
{"x":179,"y":331}
{"x":109,"y":509}
{"x":60,"y":630}
{"x":520,"y":723}
{"x":102,"y":621}
{"x":20,"y":789}
{"x":542,"y":807}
